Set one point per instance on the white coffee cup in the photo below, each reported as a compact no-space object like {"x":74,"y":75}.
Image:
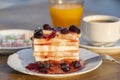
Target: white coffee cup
{"x":101,"y":30}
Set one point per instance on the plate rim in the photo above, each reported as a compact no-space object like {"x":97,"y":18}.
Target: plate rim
{"x":28,"y":30}
{"x":95,"y":47}
{"x":53,"y":75}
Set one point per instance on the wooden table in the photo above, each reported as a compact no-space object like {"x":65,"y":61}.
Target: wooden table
{"x":32,"y":15}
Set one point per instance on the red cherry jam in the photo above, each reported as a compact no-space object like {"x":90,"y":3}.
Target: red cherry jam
{"x":54,"y":67}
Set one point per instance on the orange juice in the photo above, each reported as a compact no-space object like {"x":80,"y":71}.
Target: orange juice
{"x":65,"y":15}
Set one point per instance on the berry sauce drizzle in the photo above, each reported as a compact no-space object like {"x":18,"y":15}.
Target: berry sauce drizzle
{"x":53,"y":67}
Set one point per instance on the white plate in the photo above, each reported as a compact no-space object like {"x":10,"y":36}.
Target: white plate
{"x":22,"y":58}
{"x":103,"y":50}
{"x":9,"y":50}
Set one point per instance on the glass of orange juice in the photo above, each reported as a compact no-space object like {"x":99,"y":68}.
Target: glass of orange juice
{"x":66,"y":12}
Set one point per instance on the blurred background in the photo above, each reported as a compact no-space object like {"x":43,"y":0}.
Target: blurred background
{"x":29,"y":14}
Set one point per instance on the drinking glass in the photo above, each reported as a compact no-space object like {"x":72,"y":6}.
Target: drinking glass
{"x":66,"y":12}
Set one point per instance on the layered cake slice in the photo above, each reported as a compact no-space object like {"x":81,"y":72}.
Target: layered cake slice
{"x":56,"y":50}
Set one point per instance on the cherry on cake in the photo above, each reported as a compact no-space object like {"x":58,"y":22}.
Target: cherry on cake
{"x":56,"y":50}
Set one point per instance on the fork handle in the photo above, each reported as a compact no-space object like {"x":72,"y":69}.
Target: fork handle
{"x":116,"y":61}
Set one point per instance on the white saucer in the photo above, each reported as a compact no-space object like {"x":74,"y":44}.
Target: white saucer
{"x":22,"y":58}
{"x":103,"y":50}
{"x":9,"y":50}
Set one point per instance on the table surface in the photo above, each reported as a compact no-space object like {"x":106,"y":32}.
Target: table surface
{"x":31,"y":14}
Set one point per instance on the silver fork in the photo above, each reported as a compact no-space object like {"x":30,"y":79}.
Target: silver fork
{"x":108,"y":57}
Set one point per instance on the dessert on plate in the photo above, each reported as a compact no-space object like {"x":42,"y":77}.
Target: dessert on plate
{"x":56,"y":50}
{"x":14,"y":40}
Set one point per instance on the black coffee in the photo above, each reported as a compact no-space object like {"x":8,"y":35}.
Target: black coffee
{"x":103,"y":21}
